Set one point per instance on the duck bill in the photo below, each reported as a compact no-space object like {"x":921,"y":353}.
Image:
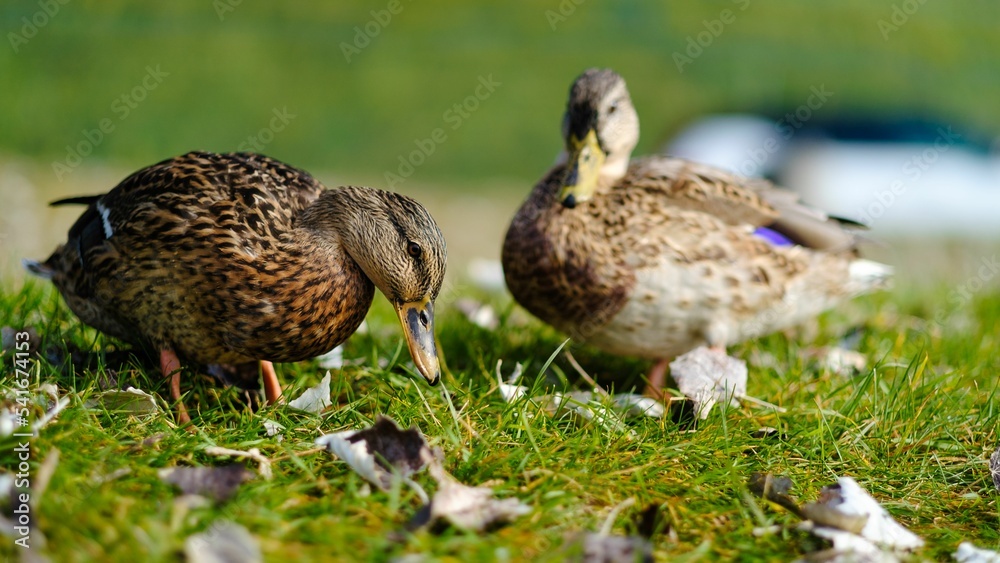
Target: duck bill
{"x":417,"y":318}
{"x":583,"y":169}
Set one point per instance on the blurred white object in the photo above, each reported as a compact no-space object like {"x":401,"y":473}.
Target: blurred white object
{"x":486,"y":274}
{"x":746,"y":144}
{"x":899,"y":189}
{"x":901,"y":177}
{"x":479,"y":314}
{"x":334,"y":359}
{"x":848,"y":502}
{"x":968,"y":553}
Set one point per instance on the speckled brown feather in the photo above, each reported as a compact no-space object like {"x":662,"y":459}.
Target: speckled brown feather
{"x":210,"y":257}
{"x":578,"y":269}
{"x":557,"y":266}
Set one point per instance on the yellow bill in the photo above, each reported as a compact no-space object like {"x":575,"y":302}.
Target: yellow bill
{"x":583,"y":169}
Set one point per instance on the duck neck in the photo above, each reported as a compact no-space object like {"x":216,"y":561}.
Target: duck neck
{"x":342,"y":220}
{"x":614,"y":169}
{"x":325,"y":221}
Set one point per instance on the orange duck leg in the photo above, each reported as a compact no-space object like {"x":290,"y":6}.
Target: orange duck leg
{"x":170,"y":365}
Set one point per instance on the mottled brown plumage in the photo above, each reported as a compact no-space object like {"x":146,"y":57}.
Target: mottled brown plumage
{"x":656,"y":256}
{"x":231,"y":258}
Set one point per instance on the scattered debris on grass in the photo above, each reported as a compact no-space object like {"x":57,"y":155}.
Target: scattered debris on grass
{"x":18,"y":407}
{"x":774,"y":488}
{"x":49,"y":415}
{"x":703,"y":375}
{"x":633,"y":404}
{"x":272,"y":428}
{"x":382,"y":453}
{"x":857,"y":525}
{"x":8,"y":422}
{"x":334,"y":359}
{"x":969,"y":553}
{"x":595,"y":548}
{"x":219,"y":483}
{"x":150,"y":441}
{"x":842,"y":361}
{"x":580,"y":404}
{"x":846,"y":507}
{"x":223,"y":542}
{"x":480,"y":314}
{"x":995,"y":468}
{"x":605,"y":547}
{"x":584,"y":407}
{"x":314,"y":399}
{"x":264,"y":464}
{"x":131,"y":400}
{"x":597,"y":406}
{"x":470,"y":508}
{"x":707,"y":376}
{"x":510,"y":390}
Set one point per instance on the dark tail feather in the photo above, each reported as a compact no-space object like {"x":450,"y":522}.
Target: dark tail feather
{"x":40,"y":269}
{"x":78,"y":200}
{"x":848,"y":222}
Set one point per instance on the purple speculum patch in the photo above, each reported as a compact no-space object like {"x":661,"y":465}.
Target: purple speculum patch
{"x":773,"y":237}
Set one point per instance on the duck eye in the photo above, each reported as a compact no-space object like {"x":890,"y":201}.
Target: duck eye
{"x":413,"y":249}
{"x":613,"y":108}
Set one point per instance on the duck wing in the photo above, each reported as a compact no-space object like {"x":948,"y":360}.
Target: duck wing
{"x":737,"y":200}
{"x":244,"y":192}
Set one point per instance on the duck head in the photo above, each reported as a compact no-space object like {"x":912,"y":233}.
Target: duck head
{"x":600,"y":129}
{"x":400,"y":248}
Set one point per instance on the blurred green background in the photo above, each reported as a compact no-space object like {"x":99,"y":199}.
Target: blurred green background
{"x":227,"y":66}
{"x":230,"y":64}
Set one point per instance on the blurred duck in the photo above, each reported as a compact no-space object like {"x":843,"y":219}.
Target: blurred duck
{"x":656,"y":256}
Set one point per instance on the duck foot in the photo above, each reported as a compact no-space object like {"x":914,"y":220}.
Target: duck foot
{"x":170,"y":366}
{"x":272,"y":387}
{"x":656,"y":379}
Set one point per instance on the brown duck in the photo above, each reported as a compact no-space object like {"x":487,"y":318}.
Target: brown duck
{"x":233,"y":258}
{"x":657,"y":256}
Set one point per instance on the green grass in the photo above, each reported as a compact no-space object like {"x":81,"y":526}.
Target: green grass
{"x":916,"y":431}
